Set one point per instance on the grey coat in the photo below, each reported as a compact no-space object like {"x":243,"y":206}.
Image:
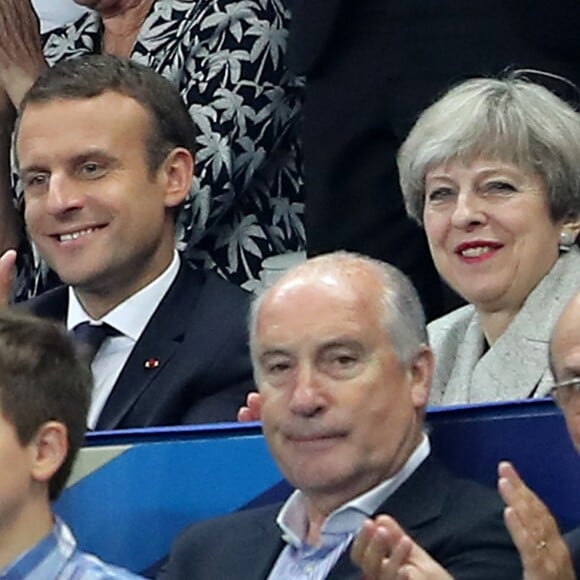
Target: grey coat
{"x":516,"y":366}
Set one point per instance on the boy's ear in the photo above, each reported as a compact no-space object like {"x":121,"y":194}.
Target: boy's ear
{"x":49,"y":448}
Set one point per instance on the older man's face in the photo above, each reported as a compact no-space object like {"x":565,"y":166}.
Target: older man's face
{"x":340,"y":413}
{"x":565,"y":350}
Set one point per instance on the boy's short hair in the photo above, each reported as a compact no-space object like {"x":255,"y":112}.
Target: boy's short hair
{"x":43,"y":378}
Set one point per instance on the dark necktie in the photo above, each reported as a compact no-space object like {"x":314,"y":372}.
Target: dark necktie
{"x":89,"y":337}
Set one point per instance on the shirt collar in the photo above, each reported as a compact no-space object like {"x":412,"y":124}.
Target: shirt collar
{"x":131,"y":316}
{"x":58,"y":545}
{"x":348,"y":518}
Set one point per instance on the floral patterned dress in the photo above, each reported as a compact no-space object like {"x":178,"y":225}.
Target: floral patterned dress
{"x":227,"y":59}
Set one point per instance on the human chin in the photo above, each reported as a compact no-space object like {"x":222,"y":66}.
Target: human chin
{"x":483,"y":295}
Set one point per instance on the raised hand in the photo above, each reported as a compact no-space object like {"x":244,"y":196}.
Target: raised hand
{"x":383,"y":551}
{"x":7,"y":268}
{"x":251,"y":412}
{"x":543,"y":552}
{"x":21,"y":58}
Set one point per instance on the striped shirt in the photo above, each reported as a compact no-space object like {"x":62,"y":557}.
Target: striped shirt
{"x":56,"y":557}
{"x":302,"y":561}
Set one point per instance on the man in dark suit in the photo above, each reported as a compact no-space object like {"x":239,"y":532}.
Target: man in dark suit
{"x":545,"y":554}
{"x":371,"y":67}
{"x":105,"y":150}
{"x":341,"y":360}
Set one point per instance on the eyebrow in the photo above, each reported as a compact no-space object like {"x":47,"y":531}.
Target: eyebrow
{"x":91,"y":155}
{"x":273,"y":352}
{"x":333,"y":343}
{"x":341,"y":342}
{"x":75,"y":160}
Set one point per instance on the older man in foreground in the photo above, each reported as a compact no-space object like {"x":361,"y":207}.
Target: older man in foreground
{"x":342,"y":364}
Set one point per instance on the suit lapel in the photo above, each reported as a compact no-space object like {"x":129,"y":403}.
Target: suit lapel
{"x":149,"y":364}
{"x":457,"y":387}
{"x":263,"y":560}
{"x":418,"y":501}
{"x":259,"y":544}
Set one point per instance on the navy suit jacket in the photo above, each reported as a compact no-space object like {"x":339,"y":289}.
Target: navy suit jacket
{"x":458,"y":522}
{"x":198,"y":334}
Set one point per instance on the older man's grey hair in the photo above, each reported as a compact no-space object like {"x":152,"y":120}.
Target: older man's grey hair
{"x":403,"y":315}
{"x":510,"y":120}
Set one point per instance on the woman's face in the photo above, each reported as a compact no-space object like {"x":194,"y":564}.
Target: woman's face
{"x":489,"y":230}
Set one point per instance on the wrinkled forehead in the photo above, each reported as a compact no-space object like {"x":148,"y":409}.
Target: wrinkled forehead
{"x":318,"y":308}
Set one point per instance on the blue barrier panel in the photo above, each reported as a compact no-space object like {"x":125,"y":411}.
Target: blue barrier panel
{"x":132,"y":491}
{"x":472,"y":440}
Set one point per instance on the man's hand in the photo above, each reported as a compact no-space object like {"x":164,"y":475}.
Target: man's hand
{"x":383,"y":551}
{"x":21,"y":58}
{"x":7,"y":268}
{"x":251,"y":412}
{"x":544,"y":553}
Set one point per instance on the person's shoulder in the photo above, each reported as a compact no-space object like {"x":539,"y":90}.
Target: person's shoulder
{"x":457,"y":492}
{"x":478,"y":545}
{"x":213,"y":528}
{"x":571,"y":261}
{"x":451,"y":326}
{"x":222,"y":547}
{"x":475,"y":498}
{"x":215,"y":287}
{"x":49,"y":304}
{"x":86,"y":566}
{"x":456,"y":318}
{"x":265,"y":513}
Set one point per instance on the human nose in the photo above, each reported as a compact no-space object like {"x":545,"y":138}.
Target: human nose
{"x":468,"y":210}
{"x":62,"y":196}
{"x":306,"y":397}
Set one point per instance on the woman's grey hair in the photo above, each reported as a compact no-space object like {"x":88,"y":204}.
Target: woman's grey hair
{"x":403,"y":315}
{"x":510,"y":120}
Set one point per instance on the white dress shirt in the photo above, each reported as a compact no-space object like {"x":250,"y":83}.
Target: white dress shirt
{"x":130,"y":319}
{"x":302,"y":561}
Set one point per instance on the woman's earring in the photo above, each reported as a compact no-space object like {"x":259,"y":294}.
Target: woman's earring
{"x":567,"y":239}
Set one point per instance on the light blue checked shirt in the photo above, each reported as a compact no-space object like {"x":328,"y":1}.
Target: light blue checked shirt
{"x":302,"y":561}
{"x":56,"y":557}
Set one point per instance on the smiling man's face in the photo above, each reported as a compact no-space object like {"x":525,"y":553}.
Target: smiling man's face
{"x":94,"y":209}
